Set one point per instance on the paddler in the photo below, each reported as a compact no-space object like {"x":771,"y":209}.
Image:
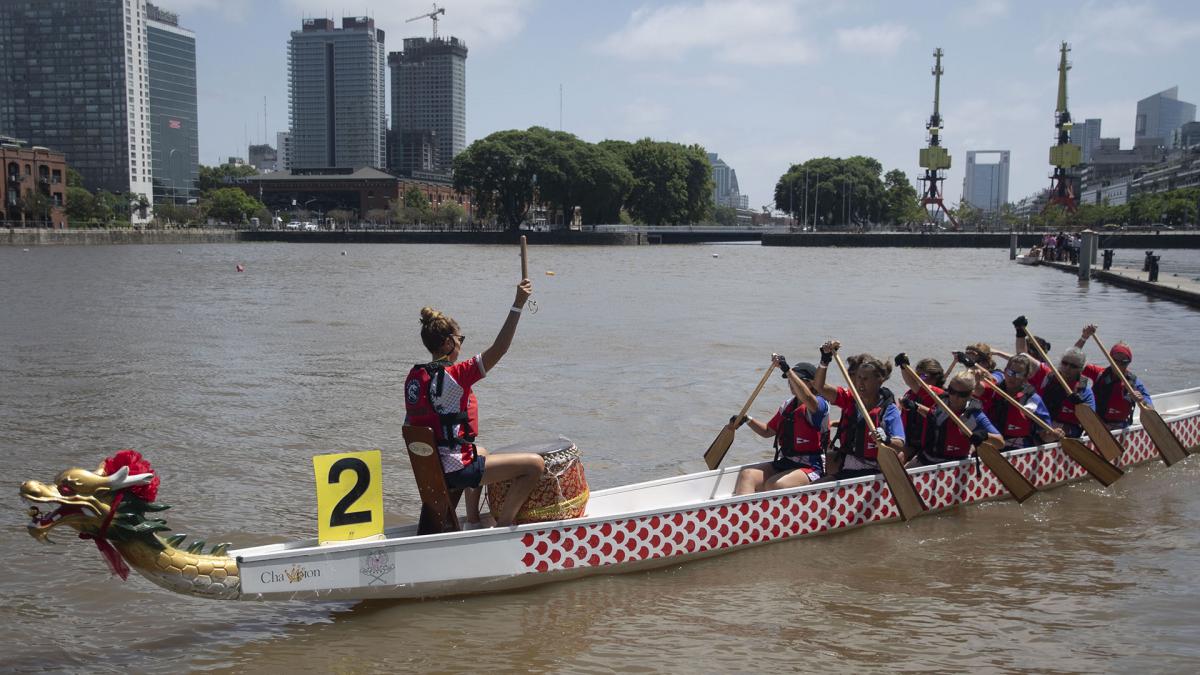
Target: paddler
{"x":801,"y":431}
{"x":1113,"y":401}
{"x":915,"y":404}
{"x":856,"y":449}
{"x":439,"y":395}
{"x":948,"y":443}
{"x":1016,"y":427}
{"x":1061,"y":404}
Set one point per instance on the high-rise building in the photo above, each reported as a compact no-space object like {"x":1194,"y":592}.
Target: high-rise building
{"x":725,"y":184}
{"x":336,"y":84}
{"x":1087,"y":137}
{"x":74,"y":77}
{"x":174,"y":136}
{"x":264,"y":158}
{"x":1160,"y":116}
{"x":429,"y":104}
{"x":985,"y":185}
{"x":283,"y":144}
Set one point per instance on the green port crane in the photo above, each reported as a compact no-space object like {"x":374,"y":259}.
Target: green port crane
{"x":1063,"y":154}
{"x":934,"y":158}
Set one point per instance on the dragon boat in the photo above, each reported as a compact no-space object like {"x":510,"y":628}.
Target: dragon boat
{"x":632,"y":527}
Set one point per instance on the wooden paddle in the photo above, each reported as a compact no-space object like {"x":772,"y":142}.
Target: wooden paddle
{"x":1096,"y":466}
{"x":720,"y":445}
{"x":1165,"y":441}
{"x":1088,"y":419}
{"x":988,"y":451}
{"x":899,"y":482}
{"x":524,"y":259}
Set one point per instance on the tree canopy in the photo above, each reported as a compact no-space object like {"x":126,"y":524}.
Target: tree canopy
{"x":835,"y":192}
{"x":656,"y":182}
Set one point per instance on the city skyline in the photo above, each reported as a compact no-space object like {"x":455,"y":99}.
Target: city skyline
{"x":764,"y":84}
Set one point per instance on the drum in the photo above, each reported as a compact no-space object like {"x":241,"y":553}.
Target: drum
{"x":562,"y":491}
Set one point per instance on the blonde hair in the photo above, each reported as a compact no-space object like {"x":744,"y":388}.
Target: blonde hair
{"x":435,"y":328}
{"x":985,"y":352}
{"x":964,"y":378}
{"x":1024,"y":363}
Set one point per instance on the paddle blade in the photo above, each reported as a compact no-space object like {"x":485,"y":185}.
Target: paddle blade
{"x":1098,"y":431}
{"x":900,"y":483}
{"x":720,"y":446}
{"x":1169,"y":447}
{"x":1014,"y":481}
{"x":1098,"y":467}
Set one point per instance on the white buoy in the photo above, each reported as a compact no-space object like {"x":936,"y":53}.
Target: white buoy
{"x":25,"y":250}
{"x":716,"y":255}
{"x":179,"y":250}
{"x":343,"y":253}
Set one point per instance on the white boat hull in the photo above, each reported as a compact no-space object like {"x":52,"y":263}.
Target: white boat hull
{"x":647,"y":525}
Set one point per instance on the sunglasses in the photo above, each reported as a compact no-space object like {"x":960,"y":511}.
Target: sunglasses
{"x":1123,"y":362}
{"x":956,"y":392}
{"x":1014,"y":373}
{"x":1064,"y":364}
{"x":461,"y":339}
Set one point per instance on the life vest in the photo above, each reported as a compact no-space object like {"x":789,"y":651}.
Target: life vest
{"x":451,"y":430}
{"x":949,"y":441}
{"x":1112,"y":401}
{"x":797,"y":440}
{"x":1015,"y":423}
{"x":1055,"y":398}
{"x":918,"y":428}
{"x":852,"y":432}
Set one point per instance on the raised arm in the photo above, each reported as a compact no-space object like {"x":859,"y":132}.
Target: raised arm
{"x":822,"y":389}
{"x":1087,"y":332}
{"x":1020,"y":323}
{"x":493,"y":354}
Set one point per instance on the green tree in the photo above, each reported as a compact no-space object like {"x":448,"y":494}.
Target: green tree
{"x":450,"y":213}
{"x":495,"y":171}
{"x":725,"y":215}
{"x":80,"y":206}
{"x":216,"y":177}
{"x":74,"y":178}
{"x":232,"y":205}
{"x":901,"y":203}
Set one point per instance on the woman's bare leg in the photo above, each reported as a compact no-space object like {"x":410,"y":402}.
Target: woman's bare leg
{"x":751,"y":478}
{"x":787,"y":479}
{"x":524,"y":469}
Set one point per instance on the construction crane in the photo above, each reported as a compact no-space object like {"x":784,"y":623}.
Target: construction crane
{"x":934,"y":158}
{"x":430,"y":15}
{"x":1063,"y":154}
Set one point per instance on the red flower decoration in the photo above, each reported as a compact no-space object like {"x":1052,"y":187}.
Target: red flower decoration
{"x":137,"y":464}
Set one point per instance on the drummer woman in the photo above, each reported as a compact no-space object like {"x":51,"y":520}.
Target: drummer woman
{"x":438,"y":395}
{"x":801,"y":431}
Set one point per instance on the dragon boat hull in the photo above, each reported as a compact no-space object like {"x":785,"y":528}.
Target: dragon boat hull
{"x":647,"y":525}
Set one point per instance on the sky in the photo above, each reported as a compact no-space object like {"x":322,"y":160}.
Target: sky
{"x":764,"y":83}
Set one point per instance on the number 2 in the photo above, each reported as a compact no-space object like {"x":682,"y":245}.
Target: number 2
{"x":340,"y":515}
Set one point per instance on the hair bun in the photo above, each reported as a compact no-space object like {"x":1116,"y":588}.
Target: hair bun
{"x":429,"y":315}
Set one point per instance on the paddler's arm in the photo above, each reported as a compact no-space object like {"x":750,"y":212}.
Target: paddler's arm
{"x":910,"y":379}
{"x":493,"y":354}
{"x":1020,"y":324}
{"x":1088,"y":331}
{"x":827,"y":350}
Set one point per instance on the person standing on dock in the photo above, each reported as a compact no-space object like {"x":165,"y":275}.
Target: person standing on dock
{"x":801,"y":431}
{"x":1113,"y":400}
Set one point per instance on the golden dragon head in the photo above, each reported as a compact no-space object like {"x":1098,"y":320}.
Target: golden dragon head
{"x":84,"y":500}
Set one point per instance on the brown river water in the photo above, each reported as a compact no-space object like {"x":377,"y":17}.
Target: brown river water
{"x":229,"y":382}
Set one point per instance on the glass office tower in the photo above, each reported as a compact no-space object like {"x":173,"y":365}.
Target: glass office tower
{"x":174,"y":140}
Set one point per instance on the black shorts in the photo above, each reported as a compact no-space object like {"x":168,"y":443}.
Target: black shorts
{"x":470,"y":476}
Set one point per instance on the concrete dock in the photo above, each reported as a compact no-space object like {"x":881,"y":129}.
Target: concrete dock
{"x":1170,"y":286}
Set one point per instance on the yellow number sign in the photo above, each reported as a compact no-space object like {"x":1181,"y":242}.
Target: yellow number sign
{"x":349,"y":495}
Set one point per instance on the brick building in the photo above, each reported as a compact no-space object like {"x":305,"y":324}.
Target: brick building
{"x":361,"y":190}
{"x":30,"y":172}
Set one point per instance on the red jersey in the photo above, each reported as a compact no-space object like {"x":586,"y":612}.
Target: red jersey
{"x":454,"y":398}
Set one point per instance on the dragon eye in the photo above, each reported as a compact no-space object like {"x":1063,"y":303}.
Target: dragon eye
{"x":66,"y":489}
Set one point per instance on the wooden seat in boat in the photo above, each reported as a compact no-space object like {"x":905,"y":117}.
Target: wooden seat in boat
{"x":438,"y":503}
